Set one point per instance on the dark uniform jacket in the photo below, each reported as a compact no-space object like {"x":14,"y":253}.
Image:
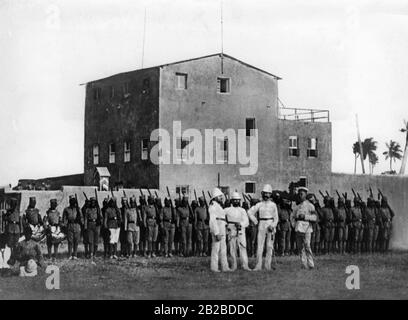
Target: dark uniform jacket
{"x":92,"y":218}
{"x":201,"y":218}
{"x":72,"y":218}
{"x":32,"y":216}
{"x":52,"y":218}
{"x":132,"y":219}
{"x":340,"y":216}
{"x":13,"y":221}
{"x":168,"y":217}
{"x":356,"y":217}
{"x":184,"y":215}
{"x":112,"y":218}
{"x":327,"y":216}
{"x":150,"y":217}
{"x":284,"y":219}
{"x":370,"y":217}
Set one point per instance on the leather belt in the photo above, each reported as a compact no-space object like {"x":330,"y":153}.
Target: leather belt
{"x":265,"y":219}
{"x":131,"y":221}
{"x":222,"y":219}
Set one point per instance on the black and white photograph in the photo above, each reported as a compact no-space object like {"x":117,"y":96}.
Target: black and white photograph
{"x":203,"y":150}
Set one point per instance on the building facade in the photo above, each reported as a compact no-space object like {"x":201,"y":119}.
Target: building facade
{"x":188,"y":100}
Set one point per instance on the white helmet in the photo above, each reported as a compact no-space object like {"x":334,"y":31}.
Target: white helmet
{"x":235,"y":196}
{"x":267,"y":188}
{"x":216,"y":193}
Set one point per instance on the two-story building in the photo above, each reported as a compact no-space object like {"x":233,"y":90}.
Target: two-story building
{"x":203,"y":94}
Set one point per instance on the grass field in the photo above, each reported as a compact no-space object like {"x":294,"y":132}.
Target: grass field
{"x":381,"y":277}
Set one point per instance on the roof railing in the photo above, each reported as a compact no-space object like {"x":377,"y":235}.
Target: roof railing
{"x":302,"y":114}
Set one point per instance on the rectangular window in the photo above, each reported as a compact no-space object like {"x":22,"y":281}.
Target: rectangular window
{"x":183,"y":189}
{"x":112,"y":153}
{"x":182,"y":148}
{"x":145,"y":149}
{"x":181,"y":81}
{"x":223,"y":85}
{"x":250,"y":187}
{"x":126,"y":151}
{"x":250,"y":127}
{"x":95,"y":154}
{"x":112,"y":93}
{"x":293,"y":146}
{"x":312,"y":148}
{"x":97,"y":92}
{"x":222,"y":150}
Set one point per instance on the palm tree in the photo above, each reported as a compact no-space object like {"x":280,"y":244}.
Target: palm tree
{"x":394,"y":152}
{"x":369,"y":147}
{"x":373,"y":159}
{"x":404,"y":159}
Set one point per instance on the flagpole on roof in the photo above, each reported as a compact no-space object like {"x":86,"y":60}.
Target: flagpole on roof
{"x":144,"y":36}
{"x":222,"y":41}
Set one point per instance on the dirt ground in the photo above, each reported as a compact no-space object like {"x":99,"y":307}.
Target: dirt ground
{"x":382,"y":277}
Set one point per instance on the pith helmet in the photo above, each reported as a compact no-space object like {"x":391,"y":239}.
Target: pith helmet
{"x":216,"y":193}
{"x":235,"y":196}
{"x":267,"y":188}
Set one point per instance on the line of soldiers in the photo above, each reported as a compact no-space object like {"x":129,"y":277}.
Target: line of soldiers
{"x":151,"y":228}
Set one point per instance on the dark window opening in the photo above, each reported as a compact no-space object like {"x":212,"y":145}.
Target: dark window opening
{"x":223,"y":85}
{"x":250,"y":187}
{"x":250,"y":127}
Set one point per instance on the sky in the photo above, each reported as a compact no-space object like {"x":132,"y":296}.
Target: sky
{"x":349,"y":57}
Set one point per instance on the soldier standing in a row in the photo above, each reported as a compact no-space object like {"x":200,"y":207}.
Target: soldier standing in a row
{"x":150,"y":223}
{"x":284,"y":228}
{"x":92,"y":226}
{"x":328,"y":224}
{"x":183,"y":211}
{"x":252,"y":231}
{"x":268,"y":220}
{"x":14,"y":226}
{"x":341,"y":226}
{"x":168,"y":223}
{"x":132,"y":224}
{"x":387,"y":215}
{"x":357,"y":226}
{"x":112,"y":221}
{"x":33,"y":220}
{"x":201,"y":226}
{"x":72,"y":219}
{"x":303,"y":215}
{"x":52,"y":223}
{"x":317,"y":230}
{"x":237,"y":221}
{"x":218,"y":233}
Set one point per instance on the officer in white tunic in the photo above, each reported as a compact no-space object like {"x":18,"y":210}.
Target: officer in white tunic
{"x":237,"y":221}
{"x":218,"y":234}
{"x":268,"y":219}
{"x":303,"y":214}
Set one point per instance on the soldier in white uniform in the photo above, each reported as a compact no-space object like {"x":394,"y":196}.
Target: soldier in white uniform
{"x":217,"y":229}
{"x":268,"y":219}
{"x":237,"y":221}
{"x":303,"y":214}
